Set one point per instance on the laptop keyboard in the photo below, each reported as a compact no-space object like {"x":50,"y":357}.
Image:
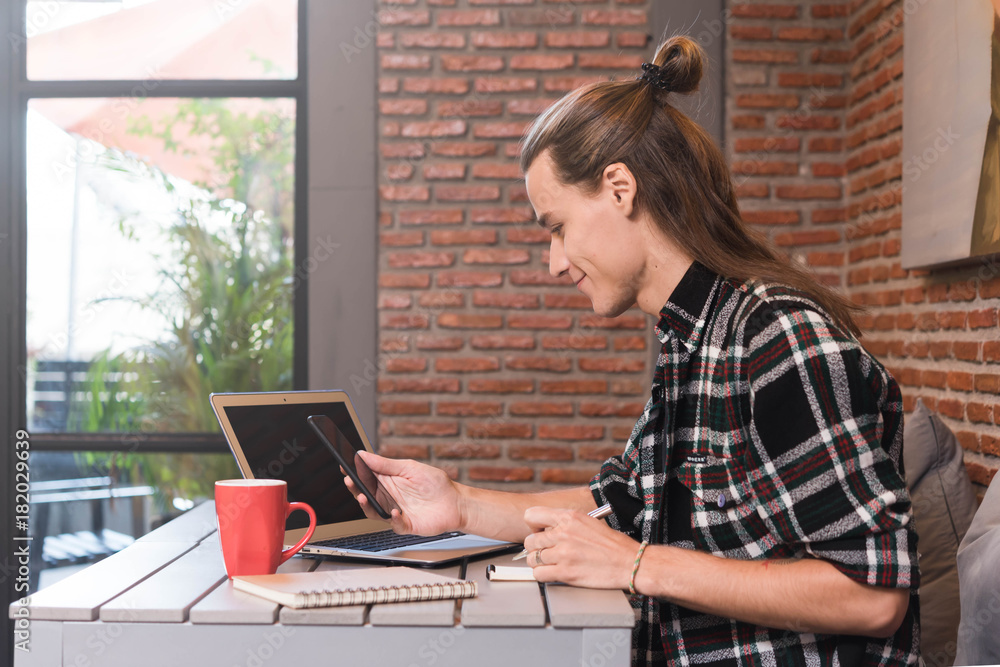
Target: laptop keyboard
{"x":381,"y":541}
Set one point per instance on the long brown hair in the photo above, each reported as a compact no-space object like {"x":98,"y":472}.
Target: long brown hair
{"x":682,"y":179}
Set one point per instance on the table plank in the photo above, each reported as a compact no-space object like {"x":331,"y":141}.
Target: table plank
{"x":193,"y":526}
{"x":432,"y":612}
{"x":343,"y":615}
{"x":79,"y":596}
{"x":502,"y":603}
{"x":571,"y":607}
{"x":227,"y":605}
{"x":168,"y":594}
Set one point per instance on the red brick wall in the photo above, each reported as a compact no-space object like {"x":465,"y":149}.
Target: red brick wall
{"x":814,"y":123}
{"x":489,"y":367}
{"x":503,"y":376}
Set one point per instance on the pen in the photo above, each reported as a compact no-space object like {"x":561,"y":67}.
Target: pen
{"x":599,"y":513}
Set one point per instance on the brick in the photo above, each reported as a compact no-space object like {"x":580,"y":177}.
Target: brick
{"x":528,"y":108}
{"x":629,"y":40}
{"x":396,"y":16}
{"x":547,"y":364}
{"x":436,"y":85}
{"x":617,"y":409}
{"x":572,"y":432}
{"x":499,"y":429}
{"x":466,"y":450}
{"x":466,"y":192}
{"x":402,"y":150}
{"x":496,"y":171}
{"x":470,"y":108}
{"x":439,"y":343}
{"x":431,"y":217}
{"x":469,"y":321}
{"x":541,"y":453}
{"x":765,"y":56}
{"x":751,"y":32}
{"x":810,"y":34}
{"x":504,"y":40}
{"x":432,"y":40}
{"x":463,"y":237}
{"x":968,"y":440}
{"x":457,"y":63}
{"x":987,"y":383}
{"x":404,"y":407}
{"x":609,"y":61}
{"x":469,"y":408}
{"x":463,"y":148}
{"x":771,"y":217}
{"x":807,"y":237}
{"x":613,"y":365}
{"x":466,"y":364}
{"x":492,"y":386}
{"x":815,"y":191}
{"x":960,"y":381}
{"x":567,"y":475}
{"x":510,"y":84}
{"x":404,"y":192}
{"x":508,"y":130}
{"x":628,"y":343}
{"x":539,"y":17}
{"x":416,"y":260}
{"x":764,"y":11}
{"x":394,"y":301}
{"x":765,"y":168}
{"x":810,"y":80}
{"x":404,"y":451}
{"x":500,"y":473}
{"x":966,"y":350}
{"x":398,"y":172}
{"x":402,"y":280}
{"x":575,"y":301}
{"x":434,"y":128}
{"x":395,"y":343}
{"x":564,"y":84}
{"x":442,"y":300}
{"x":620,"y":322}
{"x":540,"y":408}
{"x":950,"y":407}
{"x":468,"y":17}
{"x":767,"y":144}
{"x":504,"y":300}
{"x":404,"y":321}
{"x":614,"y":17}
{"x":529,"y":277}
{"x":598,"y":452}
{"x":545,"y":62}
{"x":502,"y":342}
{"x":808,"y":122}
{"x":581,"y":39}
{"x":979,"y":412}
{"x":431,"y":429}
{"x":402,"y":107}
{"x":444,"y":171}
{"x":404,"y":61}
{"x":574,"y":342}
{"x":979,"y":319}
{"x":825,"y":144}
{"x":767,"y":101}
{"x":991,"y":351}
{"x":573,"y":386}
{"x":396,"y":239}
{"x":503,"y":215}
{"x":418,"y":385}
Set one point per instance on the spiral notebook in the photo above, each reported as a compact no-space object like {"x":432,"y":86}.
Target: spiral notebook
{"x":335,"y":588}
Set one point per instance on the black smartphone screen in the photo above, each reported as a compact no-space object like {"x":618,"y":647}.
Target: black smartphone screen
{"x":347,"y":456}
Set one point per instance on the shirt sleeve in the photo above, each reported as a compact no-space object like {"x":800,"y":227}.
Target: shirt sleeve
{"x":824,"y":450}
{"x":616,"y":485}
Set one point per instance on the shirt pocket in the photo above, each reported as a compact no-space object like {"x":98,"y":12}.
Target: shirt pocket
{"x":725,"y":518}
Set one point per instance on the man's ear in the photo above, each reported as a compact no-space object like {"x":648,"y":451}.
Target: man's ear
{"x":619,"y":183}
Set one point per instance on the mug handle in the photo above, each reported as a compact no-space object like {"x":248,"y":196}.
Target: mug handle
{"x":292,"y":550}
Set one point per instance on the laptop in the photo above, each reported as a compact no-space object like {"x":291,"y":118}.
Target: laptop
{"x":271,"y":439}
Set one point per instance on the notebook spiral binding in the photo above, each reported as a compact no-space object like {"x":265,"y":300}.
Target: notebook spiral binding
{"x":384,"y":594}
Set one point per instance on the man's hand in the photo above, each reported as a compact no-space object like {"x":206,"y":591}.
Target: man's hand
{"x":577,"y":549}
{"x":429,"y":502}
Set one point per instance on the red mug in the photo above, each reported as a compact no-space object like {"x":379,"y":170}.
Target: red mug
{"x":251,"y":514}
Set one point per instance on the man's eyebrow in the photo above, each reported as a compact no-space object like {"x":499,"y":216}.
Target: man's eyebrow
{"x":543,"y":221}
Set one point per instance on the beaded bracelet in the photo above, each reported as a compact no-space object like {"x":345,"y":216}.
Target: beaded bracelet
{"x":635,"y":567}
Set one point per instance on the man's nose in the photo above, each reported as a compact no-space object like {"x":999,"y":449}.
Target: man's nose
{"x":558,"y":264}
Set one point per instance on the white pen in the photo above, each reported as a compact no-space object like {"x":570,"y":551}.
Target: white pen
{"x":599,"y":513}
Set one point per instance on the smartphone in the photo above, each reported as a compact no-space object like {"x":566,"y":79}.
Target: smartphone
{"x":353,"y":465}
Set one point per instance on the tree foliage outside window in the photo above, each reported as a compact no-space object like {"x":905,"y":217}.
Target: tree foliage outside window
{"x":226,"y":270}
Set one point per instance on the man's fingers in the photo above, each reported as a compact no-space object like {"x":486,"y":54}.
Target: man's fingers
{"x":540,"y":518}
{"x":383,"y":465}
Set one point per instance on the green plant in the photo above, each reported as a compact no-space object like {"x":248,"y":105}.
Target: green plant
{"x":225,"y":263}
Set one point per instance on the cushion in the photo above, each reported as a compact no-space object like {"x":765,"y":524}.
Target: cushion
{"x":979,"y":576}
{"x":944,"y":504}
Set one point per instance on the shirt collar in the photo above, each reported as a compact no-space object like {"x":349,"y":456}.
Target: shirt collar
{"x":687,"y":309}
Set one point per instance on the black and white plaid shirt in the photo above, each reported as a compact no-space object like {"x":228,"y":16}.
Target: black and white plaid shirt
{"x":786,"y":436}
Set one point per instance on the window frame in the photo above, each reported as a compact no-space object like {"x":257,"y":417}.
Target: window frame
{"x":335,"y":323}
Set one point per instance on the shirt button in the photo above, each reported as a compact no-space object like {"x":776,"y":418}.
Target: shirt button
{"x":722,"y":500}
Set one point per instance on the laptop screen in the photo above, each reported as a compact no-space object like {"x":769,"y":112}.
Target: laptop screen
{"x":279,"y":444}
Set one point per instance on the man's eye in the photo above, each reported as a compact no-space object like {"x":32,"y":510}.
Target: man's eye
{"x":555,"y":230}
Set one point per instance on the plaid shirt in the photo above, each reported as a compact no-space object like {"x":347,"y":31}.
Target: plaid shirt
{"x":788,"y":436}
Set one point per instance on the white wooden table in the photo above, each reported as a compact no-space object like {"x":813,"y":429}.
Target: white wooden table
{"x":166,"y":601}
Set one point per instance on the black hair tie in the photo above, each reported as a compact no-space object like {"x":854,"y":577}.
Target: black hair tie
{"x":654,"y":75}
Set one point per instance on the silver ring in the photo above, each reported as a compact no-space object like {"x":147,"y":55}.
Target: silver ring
{"x":538,"y":557}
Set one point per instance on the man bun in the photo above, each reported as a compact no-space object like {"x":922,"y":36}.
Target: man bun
{"x":681,"y":62}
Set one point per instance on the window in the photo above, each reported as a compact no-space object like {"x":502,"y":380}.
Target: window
{"x":160,"y":231}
